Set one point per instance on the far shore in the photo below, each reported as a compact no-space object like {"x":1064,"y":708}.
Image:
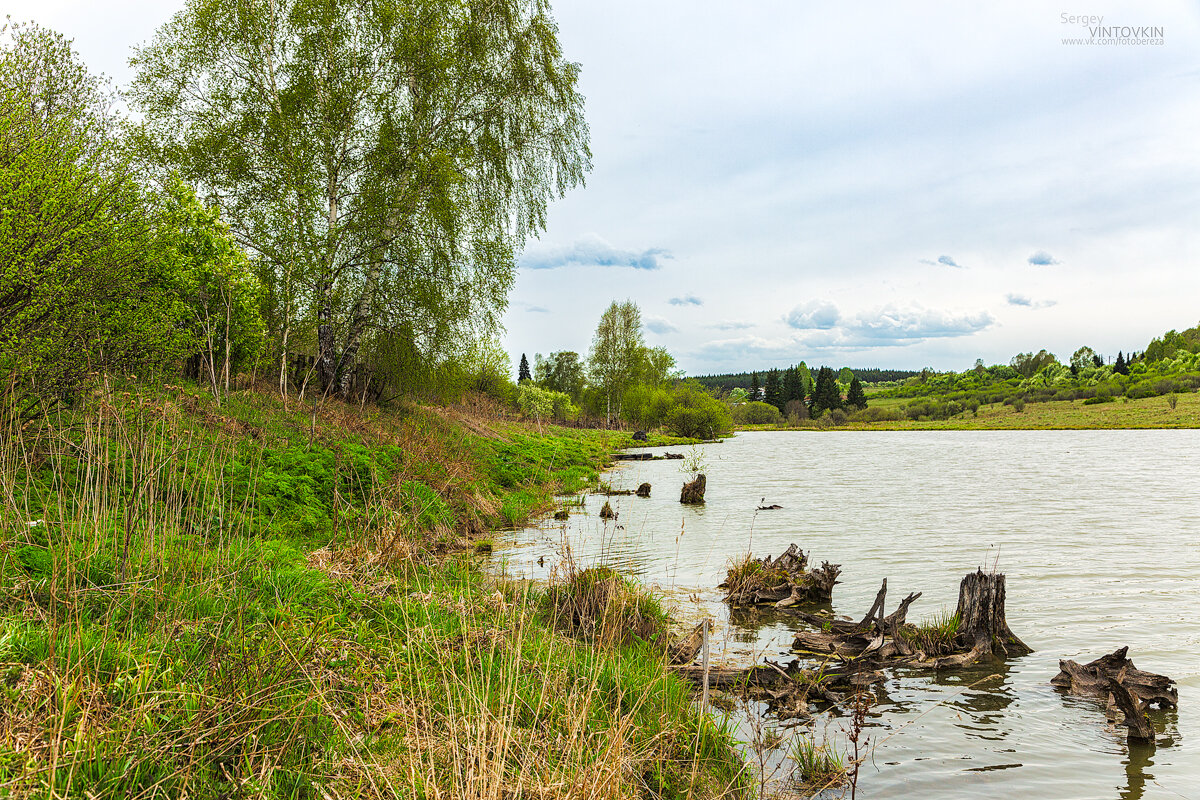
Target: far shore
{"x":1123,"y":414}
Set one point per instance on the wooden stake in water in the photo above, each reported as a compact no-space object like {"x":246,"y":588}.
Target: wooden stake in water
{"x":706,"y":626}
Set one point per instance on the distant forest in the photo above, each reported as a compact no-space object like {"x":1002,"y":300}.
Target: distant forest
{"x":732,"y":380}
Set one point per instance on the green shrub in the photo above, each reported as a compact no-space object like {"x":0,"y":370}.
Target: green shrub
{"x":756,"y":413}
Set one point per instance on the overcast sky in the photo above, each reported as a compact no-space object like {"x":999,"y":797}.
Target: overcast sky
{"x":866,"y":184}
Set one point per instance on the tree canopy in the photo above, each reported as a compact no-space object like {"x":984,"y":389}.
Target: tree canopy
{"x":384,"y":160}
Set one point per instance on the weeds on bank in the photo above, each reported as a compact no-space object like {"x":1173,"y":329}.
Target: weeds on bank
{"x":186,"y":609}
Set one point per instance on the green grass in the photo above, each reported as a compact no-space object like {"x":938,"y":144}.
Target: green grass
{"x":936,"y":636}
{"x":1148,"y":412}
{"x":256,"y":601}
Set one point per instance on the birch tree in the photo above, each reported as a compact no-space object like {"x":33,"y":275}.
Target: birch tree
{"x":387,"y":158}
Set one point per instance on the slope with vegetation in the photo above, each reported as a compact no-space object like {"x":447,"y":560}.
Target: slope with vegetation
{"x":257,"y":600}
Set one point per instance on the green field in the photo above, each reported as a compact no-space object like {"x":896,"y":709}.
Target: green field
{"x":1149,"y":412}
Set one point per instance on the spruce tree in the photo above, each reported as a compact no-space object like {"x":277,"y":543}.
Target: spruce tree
{"x":793,"y":386}
{"x":856,"y":398}
{"x":523,"y":371}
{"x":825,"y":395}
{"x":754,"y":387}
{"x":774,"y":390}
{"x":1121,"y":368}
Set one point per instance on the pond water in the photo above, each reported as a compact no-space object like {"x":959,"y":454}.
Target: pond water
{"x":1098,"y":533}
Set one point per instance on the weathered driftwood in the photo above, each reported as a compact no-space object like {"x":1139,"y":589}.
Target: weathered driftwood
{"x":673,"y":456}
{"x":633,"y":456}
{"x":562,"y":514}
{"x":686,"y":649}
{"x":781,"y":582}
{"x":693,"y":491}
{"x":643,"y":490}
{"x":1124,"y":687}
{"x":772,"y":507}
{"x":982,"y":630}
{"x":606,"y":512}
{"x":788,"y":690}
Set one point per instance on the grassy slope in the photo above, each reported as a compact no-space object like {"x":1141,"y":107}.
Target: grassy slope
{"x":1150,"y":412}
{"x":251,"y":601}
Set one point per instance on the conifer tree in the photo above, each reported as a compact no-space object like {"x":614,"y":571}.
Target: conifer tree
{"x":754,"y":387}
{"x":523,"y":371}
{"x":825,"y":395}
{"x":856,"y":398}
{"x":774,"y":390}
{"x":1121,"y":368}
{"x":793,"y":385}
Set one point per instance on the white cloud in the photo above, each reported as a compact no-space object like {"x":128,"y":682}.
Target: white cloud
{"x":819,"y":314}
{"x":659,"y":325}
{"x":591,"y":250}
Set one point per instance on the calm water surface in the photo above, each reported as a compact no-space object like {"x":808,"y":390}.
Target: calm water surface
{"x":1098,"y":533}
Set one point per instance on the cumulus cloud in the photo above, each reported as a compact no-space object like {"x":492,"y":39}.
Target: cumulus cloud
{"x":943,"y":261}
{"x":731,"y":325}
{"x":659,"y":325}
{"x":818,"y":314}
{"x":594,"y":251}
{"x":1042,"y":259}
{"x":686,"y":300}
{"x":1026,"y":302}
{"x":531,"y":308}
{"x":909,"y":324}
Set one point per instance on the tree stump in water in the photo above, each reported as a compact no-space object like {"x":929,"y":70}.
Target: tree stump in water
{"x":1125,"y":687}
{"x":981,"y":620}
{"x":693,"y":491}
{"x":780,"y":582}
{"x":981,"y":630}
{"x":643,"y":490}
{"x":607,"y":512}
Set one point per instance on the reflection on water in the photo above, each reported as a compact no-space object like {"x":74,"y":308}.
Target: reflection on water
{"x":1097,"y":556}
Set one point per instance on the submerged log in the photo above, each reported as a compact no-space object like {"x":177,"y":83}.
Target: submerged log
{"x":781,"y":582}
{"x":643,"y":490}
{"x":788,"y":690}
{"x":633,"y":457}
{"x":1124,"y":687}
{"x":693,"y":491}
{"x":686,"y":649}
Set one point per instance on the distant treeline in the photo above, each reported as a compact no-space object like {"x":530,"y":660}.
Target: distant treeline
{"x":731,"y":380}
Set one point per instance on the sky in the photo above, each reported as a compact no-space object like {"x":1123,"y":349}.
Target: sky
{"x":869,"y":184}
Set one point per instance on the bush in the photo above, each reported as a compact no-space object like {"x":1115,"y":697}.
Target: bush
{"x":698,"y":415}
{"x":756,"y":413}
{"x":1018,"y":404}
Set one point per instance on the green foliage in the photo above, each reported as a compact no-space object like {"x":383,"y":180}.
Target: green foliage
{"x":544,"y":405}
{"x":385,"y":162}
{"x":82,"y":286}
{"x":825,"y":395}
{"x":216,"y":285}
{"x":756,"y":413}
{"x":856,"y":398}
{"x":616,"y":354}
{"x":561,"y":371}
{"x":1029,"y":364}
{"x":697,"y":414}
